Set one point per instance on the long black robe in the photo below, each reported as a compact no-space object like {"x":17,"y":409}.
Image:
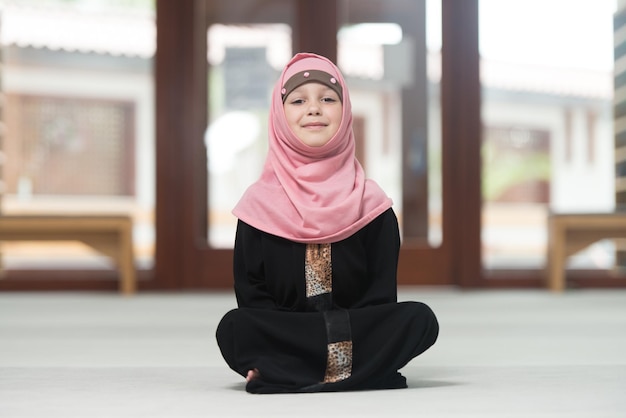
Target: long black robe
{"x":287,"y":334}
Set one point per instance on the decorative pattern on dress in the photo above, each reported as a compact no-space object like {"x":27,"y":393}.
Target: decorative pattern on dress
{"x":339,"y":363}
{"x":318,"y":270}
{"x":318,"y":274}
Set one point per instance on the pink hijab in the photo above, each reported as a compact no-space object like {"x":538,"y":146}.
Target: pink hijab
{"x":311,"y":194}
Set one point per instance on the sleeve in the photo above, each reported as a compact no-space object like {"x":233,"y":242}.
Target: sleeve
{"x":383,"y":248}
{"x":249,"y":269}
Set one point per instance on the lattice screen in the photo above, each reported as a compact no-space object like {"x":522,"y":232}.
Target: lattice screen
{"x":67,"y":146}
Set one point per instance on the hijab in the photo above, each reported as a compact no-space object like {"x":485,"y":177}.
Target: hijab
{"x":311,"y":194}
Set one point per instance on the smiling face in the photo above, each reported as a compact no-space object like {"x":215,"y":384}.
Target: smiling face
{"x":313,"y":112}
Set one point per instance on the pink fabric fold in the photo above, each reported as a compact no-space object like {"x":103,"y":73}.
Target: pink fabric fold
{"x":311,"y":194}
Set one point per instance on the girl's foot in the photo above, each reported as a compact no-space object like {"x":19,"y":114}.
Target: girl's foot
{"x":252,"y":375}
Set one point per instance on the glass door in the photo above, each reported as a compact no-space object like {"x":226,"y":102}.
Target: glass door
{"x":389,"y":52}
{"x":394,"y":54}
{"x":244,"y":62}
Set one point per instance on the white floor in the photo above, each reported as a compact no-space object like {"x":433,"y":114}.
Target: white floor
{"x":500,"y":354}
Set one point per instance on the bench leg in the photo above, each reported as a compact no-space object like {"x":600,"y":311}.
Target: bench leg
{"x":126,"y":264}
{"x":556,"y":257}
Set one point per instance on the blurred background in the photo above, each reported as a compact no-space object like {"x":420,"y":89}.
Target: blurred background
{"x":479,"y":118}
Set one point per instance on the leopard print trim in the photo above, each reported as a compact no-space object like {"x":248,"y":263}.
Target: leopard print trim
{"x":339,"y":363}
{"x":318,"y":269}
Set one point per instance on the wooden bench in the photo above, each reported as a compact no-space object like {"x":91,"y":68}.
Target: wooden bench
{"x":569,"y":233}
{"x":110,"y":235}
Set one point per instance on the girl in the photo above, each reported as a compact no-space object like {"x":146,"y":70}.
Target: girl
{"x":316,"y":253}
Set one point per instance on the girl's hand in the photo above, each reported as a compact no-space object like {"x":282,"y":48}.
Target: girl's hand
{"x":253,"y":374}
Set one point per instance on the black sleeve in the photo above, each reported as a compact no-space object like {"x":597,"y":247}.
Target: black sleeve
{"x":383,"y":248}
{"x":249,"y":269}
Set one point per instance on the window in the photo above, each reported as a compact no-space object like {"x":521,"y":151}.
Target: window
{"x":79,"y":119}
{"x":548,"y":144}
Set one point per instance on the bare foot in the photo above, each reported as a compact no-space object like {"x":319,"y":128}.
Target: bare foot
{"x":253,"y":374}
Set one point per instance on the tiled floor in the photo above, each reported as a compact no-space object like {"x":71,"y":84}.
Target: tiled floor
{"x":500,"y":354}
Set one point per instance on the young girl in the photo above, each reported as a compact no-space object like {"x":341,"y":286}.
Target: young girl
{"x":316,"y":253}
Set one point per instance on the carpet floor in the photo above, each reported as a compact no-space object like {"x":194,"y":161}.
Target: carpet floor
{"x":527,"y":353}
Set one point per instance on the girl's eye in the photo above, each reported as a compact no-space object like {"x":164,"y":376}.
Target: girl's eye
{"x":328,"y":100}
{"x":297,"y":101}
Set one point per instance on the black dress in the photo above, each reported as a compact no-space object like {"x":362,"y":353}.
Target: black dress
{"x":322,"y":317}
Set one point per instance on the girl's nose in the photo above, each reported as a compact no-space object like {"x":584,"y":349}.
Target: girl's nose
{"x":314,"y":109}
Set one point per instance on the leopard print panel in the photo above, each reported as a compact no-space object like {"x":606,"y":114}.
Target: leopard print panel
{"x":339,"y":363}
{"x":318,"y":269}
{"x":318,"y":274}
